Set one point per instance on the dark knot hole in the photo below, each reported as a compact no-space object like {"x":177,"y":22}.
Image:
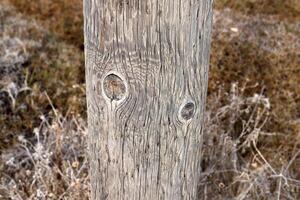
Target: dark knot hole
{"x":188,"y":110}
{"x":114,"y":87}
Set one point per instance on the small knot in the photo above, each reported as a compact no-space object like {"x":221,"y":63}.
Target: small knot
{"x":187,"y":111}
{"x":114,"y":87}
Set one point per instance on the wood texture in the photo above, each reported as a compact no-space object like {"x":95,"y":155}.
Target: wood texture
{"x":146,"y":75}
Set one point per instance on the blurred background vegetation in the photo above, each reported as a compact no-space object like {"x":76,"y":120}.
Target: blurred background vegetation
{"x":253,"y":100}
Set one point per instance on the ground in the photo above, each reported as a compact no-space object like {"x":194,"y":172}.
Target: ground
{"x":252,"y":136}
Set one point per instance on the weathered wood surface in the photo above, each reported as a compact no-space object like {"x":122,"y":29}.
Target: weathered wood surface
{"x":146,"y":74}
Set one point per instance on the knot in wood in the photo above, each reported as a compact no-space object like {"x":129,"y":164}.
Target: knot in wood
{"x":187,"y":111}
{"x":114,"y":87}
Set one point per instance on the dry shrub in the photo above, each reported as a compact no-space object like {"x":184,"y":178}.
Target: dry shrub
{"x":42,"y":153}
{"x":237,"y":162}
{"x":15,"y":46}
{"x":50,"y":165}
{"x":252,"y":144}
{"x":33,"y":61}
{"x":262,"y":52}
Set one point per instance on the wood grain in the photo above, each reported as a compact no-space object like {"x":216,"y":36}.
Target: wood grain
{"x":146,"y":75}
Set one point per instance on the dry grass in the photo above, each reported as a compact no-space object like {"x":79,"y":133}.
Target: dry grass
{"x":262,"y":52}
{"x":33,"y":60}
{"x":50,"y":165}
{"x":237,"y":160}
{"x":252,"y":140}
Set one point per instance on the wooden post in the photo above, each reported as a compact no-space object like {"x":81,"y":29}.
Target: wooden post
{"x":146,"y":75}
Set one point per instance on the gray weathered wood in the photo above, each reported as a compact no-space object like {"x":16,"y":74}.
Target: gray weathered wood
{"x":146,"y":75}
